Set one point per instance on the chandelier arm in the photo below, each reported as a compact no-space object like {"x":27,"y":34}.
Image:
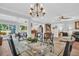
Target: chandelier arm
{"x":37,"y":10}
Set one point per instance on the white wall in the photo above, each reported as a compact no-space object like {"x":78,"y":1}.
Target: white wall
{"x":65,"y":26}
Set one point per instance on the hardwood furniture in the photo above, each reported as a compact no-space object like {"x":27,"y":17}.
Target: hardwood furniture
{"x":76,"y":35}
{"x":0,"y":41}
{"x":63,"y":34}
{"x":47,"y":34}
{"x":2,"y":33}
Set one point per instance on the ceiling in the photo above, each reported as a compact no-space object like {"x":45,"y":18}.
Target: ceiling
{"x":53,"y":10}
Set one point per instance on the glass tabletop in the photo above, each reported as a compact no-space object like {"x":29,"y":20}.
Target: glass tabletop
{"x":40,"y":49}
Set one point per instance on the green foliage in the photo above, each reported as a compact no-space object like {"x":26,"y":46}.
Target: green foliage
{"x":23,"y":27}
{"x":5,"y":27}
{"x":32,"y":39}
{"x":29,"y":38}
{"x":0,"y":27}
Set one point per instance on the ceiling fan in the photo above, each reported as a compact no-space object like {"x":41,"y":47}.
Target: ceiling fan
{"x":63,"y":17}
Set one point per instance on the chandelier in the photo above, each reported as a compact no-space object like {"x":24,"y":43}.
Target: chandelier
{"x":37,"y":10}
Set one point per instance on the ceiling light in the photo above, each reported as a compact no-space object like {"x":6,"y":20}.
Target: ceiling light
{"x":37,"y":10}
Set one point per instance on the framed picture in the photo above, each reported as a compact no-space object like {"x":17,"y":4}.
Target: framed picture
{"x":77,"y":25}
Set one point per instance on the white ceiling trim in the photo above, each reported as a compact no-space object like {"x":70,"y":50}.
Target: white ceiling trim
{"x":13,"y":13}
{"x":16,"y":14}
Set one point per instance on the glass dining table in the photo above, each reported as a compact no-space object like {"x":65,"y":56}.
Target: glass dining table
{"x":26,"y":48}
{"x":39,"y":49}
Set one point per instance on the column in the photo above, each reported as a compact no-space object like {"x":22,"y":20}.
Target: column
{"x":43,"y":31}
{"x":29,"y":28}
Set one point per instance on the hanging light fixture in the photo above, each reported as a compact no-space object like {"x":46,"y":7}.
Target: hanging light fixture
{"x":37,"y":10}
